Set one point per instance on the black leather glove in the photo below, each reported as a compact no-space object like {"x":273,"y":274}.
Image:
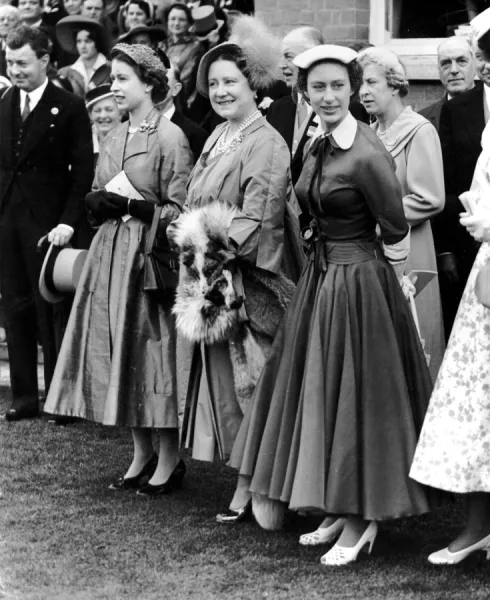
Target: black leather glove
{"x":106,"y":205}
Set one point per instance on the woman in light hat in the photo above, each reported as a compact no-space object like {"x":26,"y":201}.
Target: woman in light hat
{"x":244,"y":166}
{"x":89,"y":39}
{"x":453,"y":452}
{"x":104,"y":114}
{"x":414,"y":145}
{"x":182,"y":47}
{"x":339,"y":405}
{"x":117,"y":364}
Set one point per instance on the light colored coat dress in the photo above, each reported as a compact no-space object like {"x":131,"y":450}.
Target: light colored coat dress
{"x":415,"y":147}
{"x":256,"y":179}
{"x":117,"y":364}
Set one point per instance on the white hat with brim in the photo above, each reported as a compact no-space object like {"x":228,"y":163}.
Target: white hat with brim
{"x":60,"y":272}
{"x":325,"y":52}
{"x":481,"y":24}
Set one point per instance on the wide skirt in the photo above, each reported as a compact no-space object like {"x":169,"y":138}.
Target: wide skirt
{"x":453,"y":452}
{"x":117,"y":363}
{"x":337,"y":412}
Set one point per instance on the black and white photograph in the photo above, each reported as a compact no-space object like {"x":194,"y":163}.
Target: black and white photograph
{"x":244,"y":299}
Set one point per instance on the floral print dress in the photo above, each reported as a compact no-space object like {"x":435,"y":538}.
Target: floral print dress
{"x":453,"y":451}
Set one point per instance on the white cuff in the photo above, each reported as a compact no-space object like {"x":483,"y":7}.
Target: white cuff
{"x":398,"y":252}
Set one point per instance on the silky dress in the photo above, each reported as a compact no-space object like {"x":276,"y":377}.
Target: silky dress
{"x":117,"y":362}
{"x":453,"y":452}
{"x":336,"y":414}
{"x":255,"y":178}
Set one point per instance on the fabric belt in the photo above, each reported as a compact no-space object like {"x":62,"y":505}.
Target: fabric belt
{"x":344,"y":253}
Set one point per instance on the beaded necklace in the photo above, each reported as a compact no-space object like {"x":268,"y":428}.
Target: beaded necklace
{"x":226,"y":147}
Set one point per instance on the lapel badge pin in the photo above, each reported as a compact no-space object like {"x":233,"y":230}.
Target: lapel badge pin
{"x":55,"y":111}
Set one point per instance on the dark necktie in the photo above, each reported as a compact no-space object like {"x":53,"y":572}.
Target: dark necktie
{"x":319,"y":149}
{"x":27,"y":109}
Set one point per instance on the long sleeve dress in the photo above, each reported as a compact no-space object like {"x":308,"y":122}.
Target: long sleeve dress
{"x":117,"y":362}
{"x":414,"y":144}
{"x":453,"y":452}
{"x":256,"y":179}
{"x":336,"y":414}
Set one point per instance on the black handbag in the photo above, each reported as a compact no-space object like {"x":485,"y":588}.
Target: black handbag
{"x":161,"y":268}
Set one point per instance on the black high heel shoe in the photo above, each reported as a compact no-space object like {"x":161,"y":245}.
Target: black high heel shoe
{"x":236,"y":516}
{"x":133,"y":483}
{"x":174,"y":482}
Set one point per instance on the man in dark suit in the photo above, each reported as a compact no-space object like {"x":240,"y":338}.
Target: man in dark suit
{"x":457,"y":72}
{"x":46,"y":168}
{"x":196,"y":135}
{"x":462,"y":121}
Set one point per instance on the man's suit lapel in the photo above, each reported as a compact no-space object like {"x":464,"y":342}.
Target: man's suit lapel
{"x":474,"y":115}
{"x":43,"y":117}
{"x":7,"y":123}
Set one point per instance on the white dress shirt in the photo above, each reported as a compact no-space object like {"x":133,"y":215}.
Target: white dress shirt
{"x":34,"y":96}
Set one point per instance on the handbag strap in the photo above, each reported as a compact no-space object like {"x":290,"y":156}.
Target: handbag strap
{"x":150,"y":240}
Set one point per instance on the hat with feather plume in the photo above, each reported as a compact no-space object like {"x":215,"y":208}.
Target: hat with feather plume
{"x":252,"y":41}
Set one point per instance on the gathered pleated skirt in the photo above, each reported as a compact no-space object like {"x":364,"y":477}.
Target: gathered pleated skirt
{"x":117,"y":363}
{"x":336,"y":414}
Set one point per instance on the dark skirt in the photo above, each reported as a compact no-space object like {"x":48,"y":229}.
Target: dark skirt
{"x":337,"y":412}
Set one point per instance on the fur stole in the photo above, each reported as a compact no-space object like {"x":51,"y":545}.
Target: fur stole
{"x":221,"y":300}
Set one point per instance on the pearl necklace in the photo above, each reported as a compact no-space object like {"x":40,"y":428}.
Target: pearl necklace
{"x":237,"y":138}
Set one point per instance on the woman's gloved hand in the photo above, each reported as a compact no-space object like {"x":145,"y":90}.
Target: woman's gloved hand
{"x":106,"y":205}
{"x":478,"y":223}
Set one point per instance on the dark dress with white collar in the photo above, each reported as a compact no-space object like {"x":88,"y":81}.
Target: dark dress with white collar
{"x":337,"y":411}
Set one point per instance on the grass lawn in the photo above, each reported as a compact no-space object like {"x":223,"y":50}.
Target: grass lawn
{"x":64,"y":535}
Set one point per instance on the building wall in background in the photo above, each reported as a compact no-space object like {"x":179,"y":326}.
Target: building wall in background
{"x":339,"y":21}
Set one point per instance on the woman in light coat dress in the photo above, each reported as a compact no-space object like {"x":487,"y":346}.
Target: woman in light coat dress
{"x":245,"y":164}
{"x":414,"y":145}
{"x":117,"y":364}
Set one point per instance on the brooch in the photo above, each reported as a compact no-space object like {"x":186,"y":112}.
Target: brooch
{"x":55,"y":111}
{"x":149,"y":127}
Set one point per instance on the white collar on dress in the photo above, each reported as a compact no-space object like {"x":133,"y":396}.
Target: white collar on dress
{"x":343,"y":134}
{"x":79,"y":66}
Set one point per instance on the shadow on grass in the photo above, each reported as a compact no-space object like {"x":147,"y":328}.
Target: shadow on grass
{"x":65,"y":535}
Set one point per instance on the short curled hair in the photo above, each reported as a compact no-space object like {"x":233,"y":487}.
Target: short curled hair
{"x":353,"y":69}
{"x":36,"y":38}
{"x":387,"y":60}
{"x":142,"y":4}
{"x":179,"y":6}
{"x":159,"y":80}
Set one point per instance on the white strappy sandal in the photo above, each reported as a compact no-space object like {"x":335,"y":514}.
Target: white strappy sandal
{"x":323,"y":535}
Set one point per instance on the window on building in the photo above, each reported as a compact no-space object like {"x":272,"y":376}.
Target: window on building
{"x":415,"y":28}
{"x":430,"y":19}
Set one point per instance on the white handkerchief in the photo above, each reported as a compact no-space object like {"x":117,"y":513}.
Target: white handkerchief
{"x":121,"y":185}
